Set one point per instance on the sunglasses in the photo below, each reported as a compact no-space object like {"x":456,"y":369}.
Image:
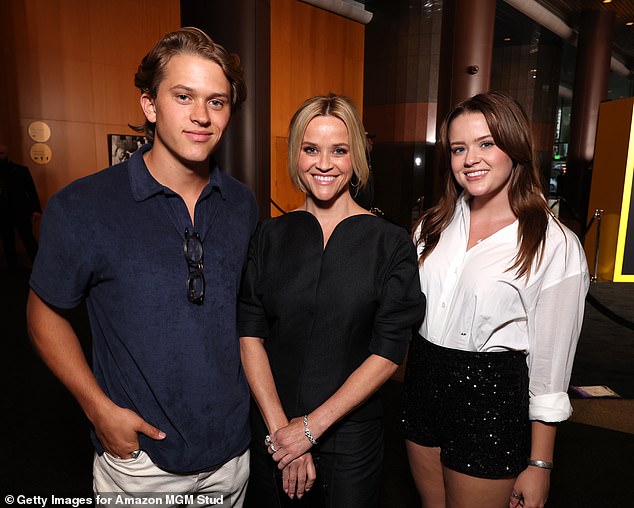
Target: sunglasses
{"x":193,"y":249}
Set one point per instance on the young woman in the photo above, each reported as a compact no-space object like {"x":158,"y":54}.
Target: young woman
{"x":328,"y":302}
{"x":487,"y":378}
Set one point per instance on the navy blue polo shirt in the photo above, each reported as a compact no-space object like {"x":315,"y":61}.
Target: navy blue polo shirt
{"x":115,"y":239}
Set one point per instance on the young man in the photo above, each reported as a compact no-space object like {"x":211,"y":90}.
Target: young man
{"x":155,"y":245}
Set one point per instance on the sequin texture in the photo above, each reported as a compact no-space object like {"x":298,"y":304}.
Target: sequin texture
{"x":473,"y":405}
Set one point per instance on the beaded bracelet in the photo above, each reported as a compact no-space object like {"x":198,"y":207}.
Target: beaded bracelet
{"x":540,"y":463}
{"x":307,"y":431}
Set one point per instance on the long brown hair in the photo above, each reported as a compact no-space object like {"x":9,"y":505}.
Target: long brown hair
{"x":511,"y":131}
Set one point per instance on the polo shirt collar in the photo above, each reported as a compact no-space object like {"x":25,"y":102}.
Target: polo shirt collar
{"x":144,"y":186}
{"x":217,"y":180}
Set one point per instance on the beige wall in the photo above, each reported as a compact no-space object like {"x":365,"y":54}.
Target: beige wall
{"x":312,"y":52}
{"x":71,"y":64}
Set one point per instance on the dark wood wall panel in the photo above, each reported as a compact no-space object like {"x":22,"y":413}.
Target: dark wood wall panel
{"x":71,"y":64}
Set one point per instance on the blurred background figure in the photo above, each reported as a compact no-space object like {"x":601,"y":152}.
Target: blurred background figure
{"x":19,"y":208}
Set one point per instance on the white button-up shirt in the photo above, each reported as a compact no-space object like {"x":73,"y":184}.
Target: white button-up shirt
{"x":475,"y":304}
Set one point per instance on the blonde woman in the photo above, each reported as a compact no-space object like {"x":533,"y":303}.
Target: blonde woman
{"x":328,"y":302}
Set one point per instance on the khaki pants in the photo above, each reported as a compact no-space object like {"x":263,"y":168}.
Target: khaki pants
{"x":118,"y":482}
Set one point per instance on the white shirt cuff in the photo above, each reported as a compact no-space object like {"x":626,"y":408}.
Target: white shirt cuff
{"x":551,"y":407}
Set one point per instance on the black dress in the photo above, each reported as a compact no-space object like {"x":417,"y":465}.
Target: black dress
{"x":322,"y":312}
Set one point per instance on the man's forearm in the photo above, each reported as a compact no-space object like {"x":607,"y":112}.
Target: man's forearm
{"x":58,"y":345}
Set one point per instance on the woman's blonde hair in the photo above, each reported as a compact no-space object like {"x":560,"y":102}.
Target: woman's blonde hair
{"x":339,"y":107}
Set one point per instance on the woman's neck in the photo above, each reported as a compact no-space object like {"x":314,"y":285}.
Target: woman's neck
{"x":335,"y":211}
{"x":329,"y":214}
{"x":487,"y":217}
{"x":496,"y":206}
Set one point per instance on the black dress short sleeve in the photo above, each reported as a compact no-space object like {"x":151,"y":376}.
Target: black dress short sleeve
{"x":251,"y":315}
{"x":401,"y":303}
{"x":323,"y":311}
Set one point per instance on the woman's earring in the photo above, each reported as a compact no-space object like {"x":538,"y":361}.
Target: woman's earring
{"x":354,"y":183}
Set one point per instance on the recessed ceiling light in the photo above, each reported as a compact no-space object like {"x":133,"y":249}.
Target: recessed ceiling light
{"x":629,"y":23}
{"x":507,"y":39}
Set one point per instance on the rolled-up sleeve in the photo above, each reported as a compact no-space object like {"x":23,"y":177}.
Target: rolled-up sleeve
{"x":552,"y":345}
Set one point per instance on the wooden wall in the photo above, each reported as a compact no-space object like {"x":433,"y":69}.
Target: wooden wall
{"x":71,"y":64}
{"x":313,"y":52}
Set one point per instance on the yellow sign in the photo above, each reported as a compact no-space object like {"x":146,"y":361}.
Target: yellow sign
{"x":612,"y":191}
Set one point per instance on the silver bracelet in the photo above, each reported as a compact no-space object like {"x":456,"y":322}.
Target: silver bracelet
{"x":540,"y":463}
{"x":307,"y":431}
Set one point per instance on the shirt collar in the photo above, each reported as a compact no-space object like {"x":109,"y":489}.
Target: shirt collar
{"x":217,"y":180}
{"x":144,"y":186}
{"x":464,"y":211}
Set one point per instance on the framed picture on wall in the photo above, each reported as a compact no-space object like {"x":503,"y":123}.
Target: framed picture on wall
{"x":122,"y":146}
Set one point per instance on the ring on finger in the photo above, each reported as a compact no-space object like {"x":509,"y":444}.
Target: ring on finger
{"x":515,"y":495}
{"x":272,"y":446}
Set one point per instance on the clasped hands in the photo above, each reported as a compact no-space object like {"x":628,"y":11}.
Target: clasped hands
{"x":289,"y":447}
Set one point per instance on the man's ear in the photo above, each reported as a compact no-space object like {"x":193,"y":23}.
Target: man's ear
{"x":148,"y":107}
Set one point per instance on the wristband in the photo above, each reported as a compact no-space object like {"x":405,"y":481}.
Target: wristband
{"x":307,"y":431}
{"x":540,"y":463}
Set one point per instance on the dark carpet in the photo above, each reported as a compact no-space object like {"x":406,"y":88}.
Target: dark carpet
{"x":593,"y":466}
{"x":605,"y":355}
{"x":45,"y":447}
{"x":46,"y":450}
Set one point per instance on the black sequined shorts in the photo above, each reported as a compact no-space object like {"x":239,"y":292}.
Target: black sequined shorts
{"x":472,"y":405}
